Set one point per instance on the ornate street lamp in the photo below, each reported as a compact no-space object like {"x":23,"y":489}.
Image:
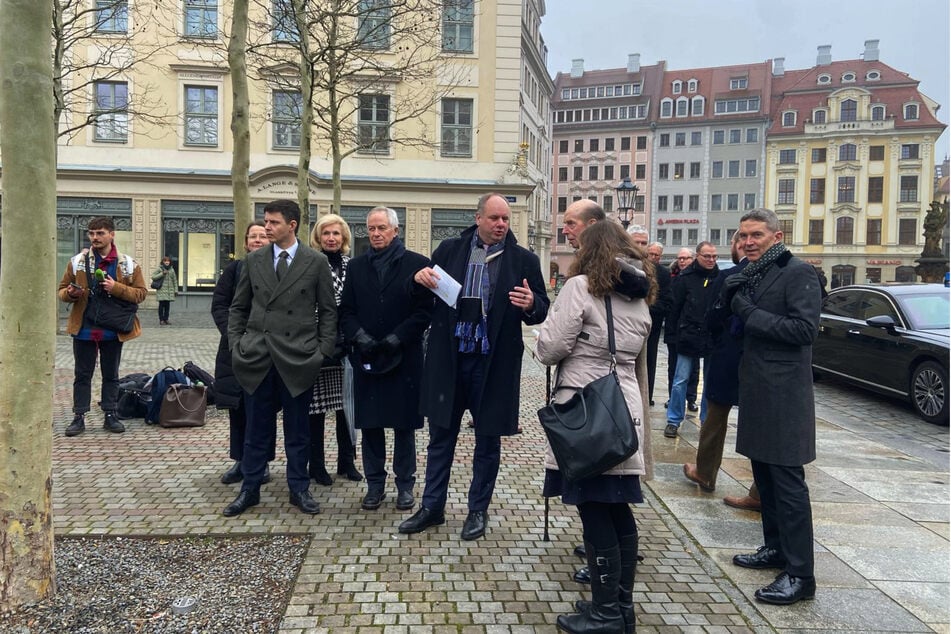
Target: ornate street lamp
{"x":626,"y":194}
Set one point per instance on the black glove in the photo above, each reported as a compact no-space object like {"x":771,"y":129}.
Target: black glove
{"x":340,"y":349}
{"x":730,"y":286}
{"x":389,"y":345}
{"x":365,"y":343}
{"x":742,"y":306}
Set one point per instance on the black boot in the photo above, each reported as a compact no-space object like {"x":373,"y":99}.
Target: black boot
{"x":604,"y":616}
{"x":316,"y":468}
{"x":346,"y":452}
{"x":629,"y":559}
{"x":233,"y":474}
{"x":76,"y":427}
{"x":111,"y":423}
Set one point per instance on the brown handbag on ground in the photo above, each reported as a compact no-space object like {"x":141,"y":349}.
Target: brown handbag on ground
{"x":183,"y":406}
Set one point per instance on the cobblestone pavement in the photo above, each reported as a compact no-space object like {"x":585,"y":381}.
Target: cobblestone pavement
{"x":361,"y":575}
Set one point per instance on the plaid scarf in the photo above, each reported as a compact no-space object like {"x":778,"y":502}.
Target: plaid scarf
{"x":756,"y":271}
{"x":471,"y":327}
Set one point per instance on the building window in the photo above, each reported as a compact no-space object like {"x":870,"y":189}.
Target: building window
{"x":665,"y":140}
{"x":696,"y":107}
{"x":373,"y":19}
{"x":729,"y":106}
{"x":201,"y":18}
{"x":873,"y":75}
{"x":873,"y":231}
{"x":696,"y":138}
{"x":692,"y":237}
{"x":908,"y":189}
{"x":738,"y":83}
{"x":594,"y":144}
{"x":577,"y":172}
{"x":609,"y":172}
{"x":907,"y":231}
{"x":562,"y":174}
{"x":909,"y":151}
{"x":905,"y":274}
{"x":692,"y":85}
{"x":666,"y":108}
{"x":283,"y":24}
{"x":750,"y":167}
{"x":678,"y":170}
{"x":640,"y":171}
{"x":112,"y":16}
{"x":824,"y":79}
{"x":288,"y":107}
{"x":819,"y":155}
{"x":663,"y":171}
{"x":695,"y":169}
{"x":752,"y":135}
{"x":876,"y":189}
{"x":876,"y":153}
{"x":680,"y":139}
{"x":846,"y":189}
{"x":562,"y":204}
{"x":786,"y":227}
{"x":678,"y":202}
{"x":457,"y":127}
{"x":662,"y":203}
{"x":717,"y":169}
{"x":579,"y":145}
{"x":715,"y":236}
{"x":626,"y":172}
{"x":732,"y":202}
{"x":201,"y":115}
{"x":787,"y":157}
{"x":848,"y":110}
{"x":735,"y":135}
{"x":373,"y":128}
{"x":847,"y":152}
{"x":873,"y":275}
{"x":682,"y":107}
{"x":787,"y":191}
{"x":716,"y":202}
{"x":819,"y":116}
{"x":458,"y":24}
{"x":911,"y":111}
{"x":815,"y":231}
{"x":592,"y":172}
{"x":641,"y":143}
{"x":842,"y":275}
{"x":608,"y":205}
{"x":111,"y":111}
{"x":563,"y":147}
{"x":878,"y":113}
{"x":789,"y":119}
{"x":733,"y":169}
{"x":749,"y":202}
{"x":609,"y":144}
{"x":718,"y":136}
{"x":817,"y":191}
{"x":625,"y":143}
{"x":848,"y":77}
{"x":693,"y":202}
{"x":677,"y":237}
{"x":844,"y":227}
{"x":662,"y":236}
{"x":677,"y":87}
{"x":639,"y":204}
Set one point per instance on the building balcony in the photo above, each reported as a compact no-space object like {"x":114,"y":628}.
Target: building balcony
{"x":849,"y":126}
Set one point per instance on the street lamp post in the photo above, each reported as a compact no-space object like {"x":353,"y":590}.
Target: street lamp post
{"x":626,"y":194}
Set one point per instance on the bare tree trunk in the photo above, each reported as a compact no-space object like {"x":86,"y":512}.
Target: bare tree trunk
{"x":240,"y":125}
{"x":306,"y":67}
{"x":27,"y":302}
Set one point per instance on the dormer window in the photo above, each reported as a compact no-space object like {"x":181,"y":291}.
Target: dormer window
{"x":824,"y":79}
{"x":911,"y":111}
{"x":878,"y":113}
{"x":682,"y":106}
{"x":819,"y":116}
{"x":873,"y":75}
{"x":692,"y":85}
{"x":677,"y":87}
{"x":848,"y":77}
{"x":696,"y":107}
{"x":667,"y":107}
{"x":789,"y":119}
{"x":739,"y":83}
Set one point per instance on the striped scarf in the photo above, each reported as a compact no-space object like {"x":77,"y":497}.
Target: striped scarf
{"x":471,"y":326}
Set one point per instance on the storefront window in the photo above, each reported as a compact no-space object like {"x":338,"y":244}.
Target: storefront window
{"x":449,"y":223}
{"x":199,"y":237}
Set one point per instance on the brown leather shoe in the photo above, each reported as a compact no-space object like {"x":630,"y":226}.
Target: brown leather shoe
{"x":746,"y":503}
{"x":690,"y":472}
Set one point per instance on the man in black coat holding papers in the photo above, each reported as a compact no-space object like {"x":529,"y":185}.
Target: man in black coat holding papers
{"x":474,"y":357}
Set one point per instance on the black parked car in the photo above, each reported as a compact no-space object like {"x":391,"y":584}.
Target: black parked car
{"x":890,"y":338}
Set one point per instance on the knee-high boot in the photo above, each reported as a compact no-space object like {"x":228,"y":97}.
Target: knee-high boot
{"x":604,"y":615}
{"x":629,"y":558}
{"x":317,"y":468}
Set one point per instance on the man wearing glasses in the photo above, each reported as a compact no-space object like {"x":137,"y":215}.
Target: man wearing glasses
{"x":692,"y":293}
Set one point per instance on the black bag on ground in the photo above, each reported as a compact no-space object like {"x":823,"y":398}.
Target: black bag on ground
{"x":199,"y":375}
{"x":593,"y":430}
{"x":134,"y":398}
{"x":157,"y":388}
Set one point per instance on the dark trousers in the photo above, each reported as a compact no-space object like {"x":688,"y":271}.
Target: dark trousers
{"x":262,"y":406}
{"x":653,"y":341}
{"x":442,"y":443}
{"x":786,"y":514}
{"x":84,"y":358}
{"x":237,"y":425}
{"x":346,"y":452}
{"x":373,"y":443}
{"x":710,"y":445}
{"x":692,"y":383}
{"x":163,"y":309}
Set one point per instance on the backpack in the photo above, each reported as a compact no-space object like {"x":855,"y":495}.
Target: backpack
{"x":158,"y":386}
{"x":134,"y":397}
{"x":200,"y":376}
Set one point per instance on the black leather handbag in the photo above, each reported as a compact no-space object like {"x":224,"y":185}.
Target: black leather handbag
{"x":592,"y":431}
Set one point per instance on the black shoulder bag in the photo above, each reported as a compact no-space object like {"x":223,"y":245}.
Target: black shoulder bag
{"x":593,"y":430}
{"x":106,"y":311}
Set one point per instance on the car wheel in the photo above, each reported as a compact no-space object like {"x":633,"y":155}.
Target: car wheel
{"x":929,"y":392}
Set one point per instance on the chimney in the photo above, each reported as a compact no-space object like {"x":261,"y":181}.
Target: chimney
{"x":634,"y":63}
{"x":824,"y":56}
{"x":778,"y":70}
{"x":577,"y":67}
{"x":871,"y":51}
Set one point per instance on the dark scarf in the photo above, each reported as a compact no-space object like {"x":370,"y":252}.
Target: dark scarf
{"x":335,"y":258}
{"x":471,"y":326}
{"x":387,"y":257}
{"x":756,"y":271}
{"x":630,"y":284}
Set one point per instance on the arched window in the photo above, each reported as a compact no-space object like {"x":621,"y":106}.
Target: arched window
{"x":848,"y":110}
{"x":819,"y":116}
{"x":911,"y":111}
{"x":667,"y":107}
{"x":878,"y":113}
{"x":683,"y":105}
{"x":789,"y":119}
{"x":696,"y":107}
{"x":844,"y":228}
{"x":847,"y":152}
{"x":677,"y":86}
{"x":692,"y":85}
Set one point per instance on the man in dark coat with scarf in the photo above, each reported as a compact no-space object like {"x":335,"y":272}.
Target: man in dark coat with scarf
{"x":777,"y":299}
{"x":383,"y":315}
{"x":474,"y":357}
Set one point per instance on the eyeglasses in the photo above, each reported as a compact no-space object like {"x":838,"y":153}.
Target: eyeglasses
{"x":706,"y":256}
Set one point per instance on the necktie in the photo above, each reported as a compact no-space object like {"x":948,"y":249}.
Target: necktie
{"x":281,"y":265}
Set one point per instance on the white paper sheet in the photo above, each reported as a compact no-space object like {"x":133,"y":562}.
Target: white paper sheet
{"x":447,"y":289}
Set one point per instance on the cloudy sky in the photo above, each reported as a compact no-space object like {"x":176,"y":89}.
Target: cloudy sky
{"x":913,"y":35}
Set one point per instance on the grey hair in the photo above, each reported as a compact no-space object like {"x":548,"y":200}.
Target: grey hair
{"x":656,"y":244}
{"x":638,"y":229}
{"x":762,"y":214}
{"x":391,"y":217}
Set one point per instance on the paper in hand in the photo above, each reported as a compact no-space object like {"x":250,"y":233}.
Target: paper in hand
{"x":447,"y":289}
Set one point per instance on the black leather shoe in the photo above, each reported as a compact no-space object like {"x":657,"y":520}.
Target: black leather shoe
{"x":245,"y":500}
{"x":692,"y":407}
{"x":786,"y":590}
{"x":111,"y":423}
{"x":579,"y":551}
{"x":474,"y":526}
{"x":350,"y":471}
{"x":233,"y":474}
{"x":76,"y":427}
{"x":582,"y":575}
{"x":373,"y":500}
{"x":763,"y":558}
{"x":421,"y":520}
{"x":267,"y":474}
{"x":305,"y":502}
{"x":405,"y":501}
{"x":321,"y":477}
